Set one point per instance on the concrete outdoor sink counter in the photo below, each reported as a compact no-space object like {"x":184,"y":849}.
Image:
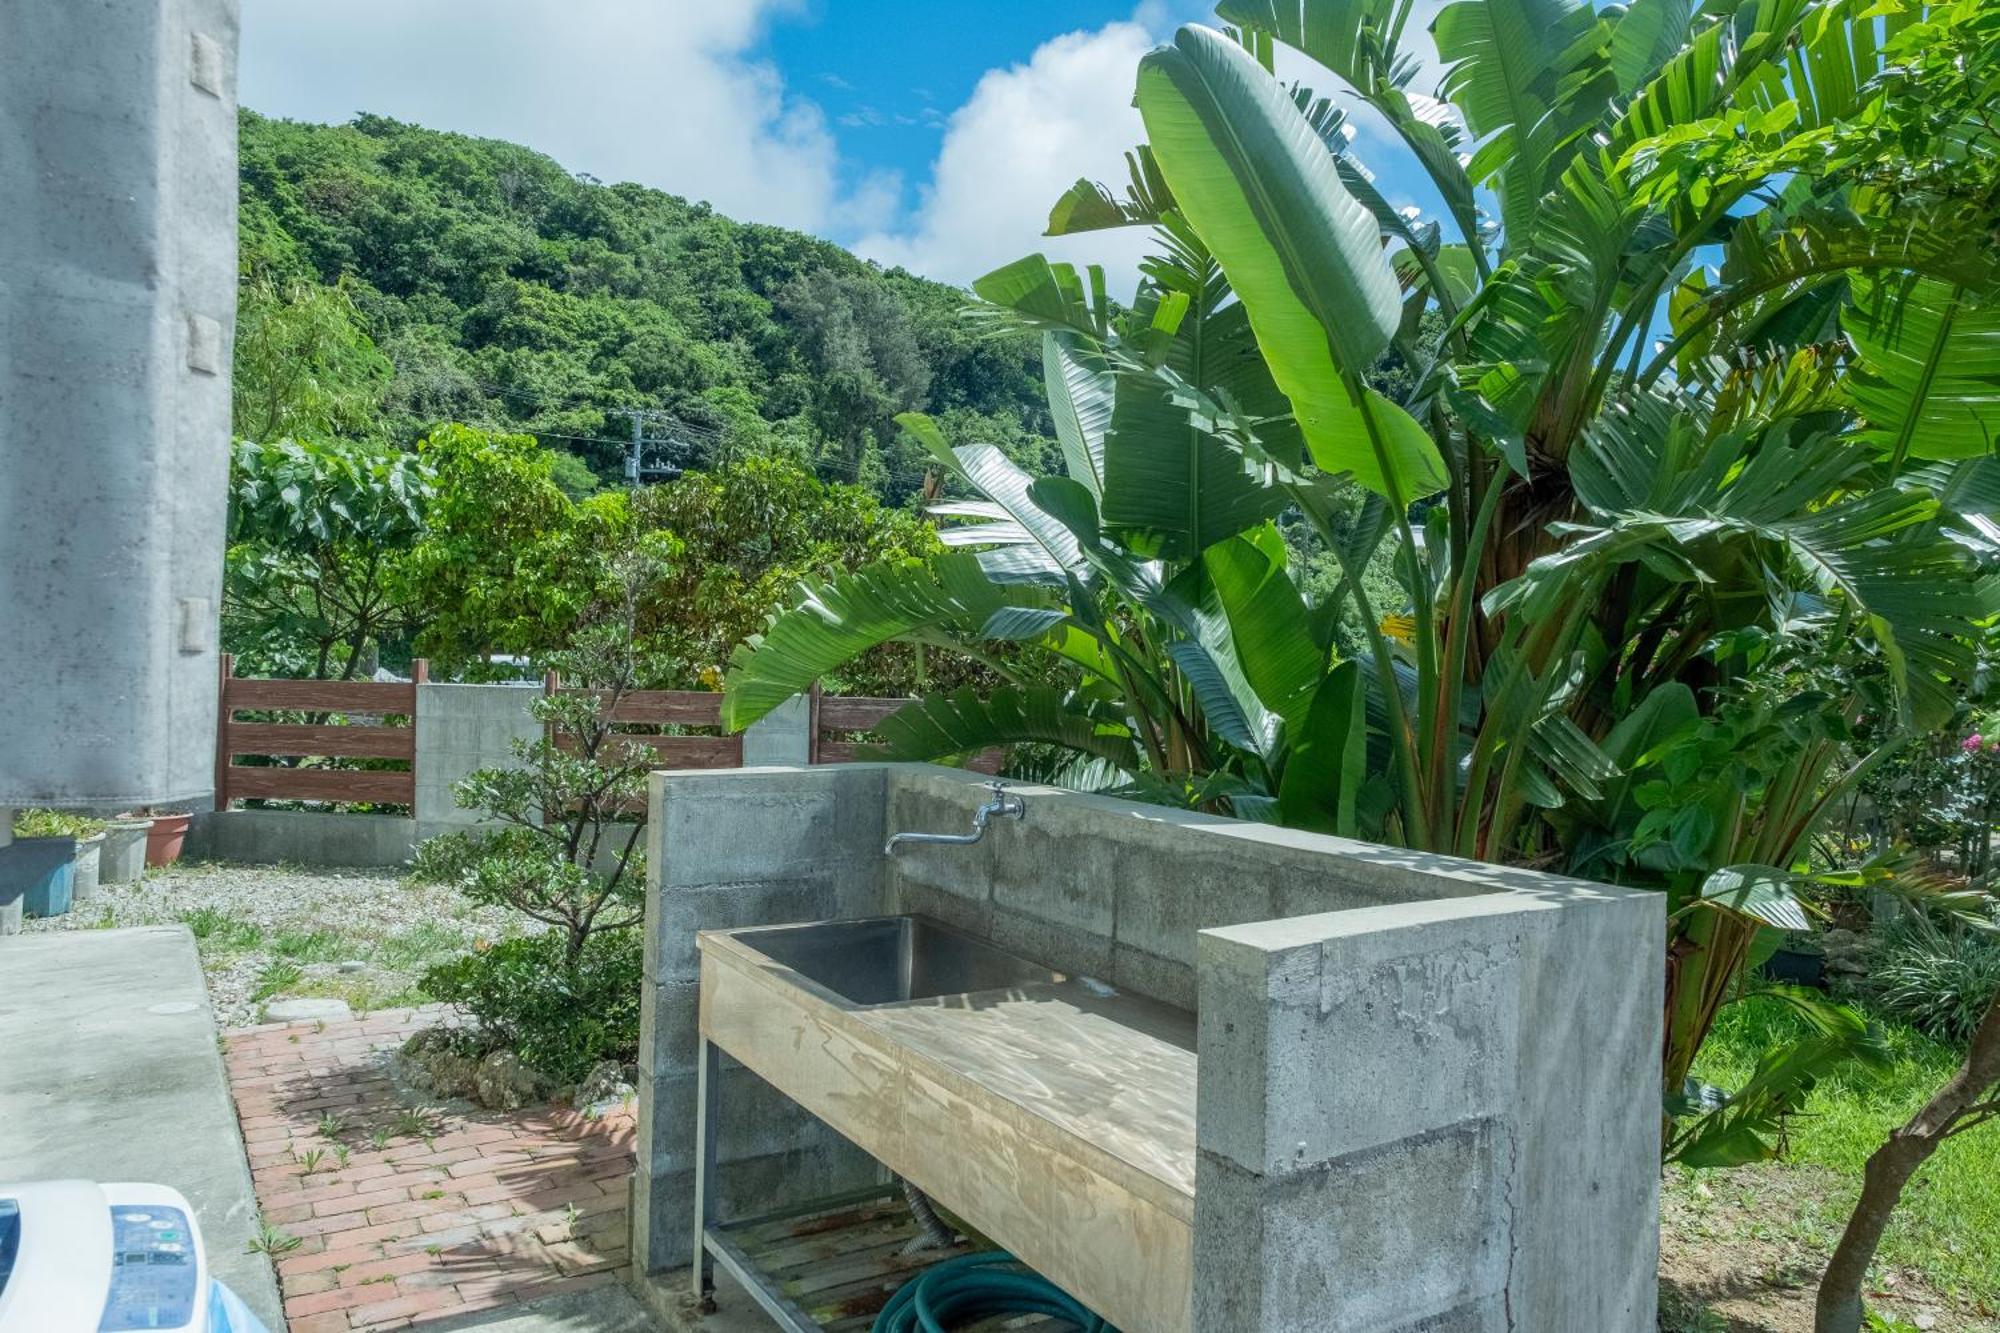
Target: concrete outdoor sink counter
{"x":1055,"y":1113}
{"x":1425,"y":1091}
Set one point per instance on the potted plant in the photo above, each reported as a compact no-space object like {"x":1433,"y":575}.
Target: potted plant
{"x":89,"y":834}
{"x":123,"y":858}
{"x":166,"y":836}
{"x":40,"y":864}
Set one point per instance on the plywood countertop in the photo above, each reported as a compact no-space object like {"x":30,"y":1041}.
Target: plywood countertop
{"x":1058,"y":1118}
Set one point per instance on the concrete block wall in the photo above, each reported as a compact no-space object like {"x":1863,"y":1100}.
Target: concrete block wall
{"x":460,"y":729}
{"x":1119,"y":891}
{"x":301,"y":837}
{"x":1488,"y":1066}
{"x":732,"y":848}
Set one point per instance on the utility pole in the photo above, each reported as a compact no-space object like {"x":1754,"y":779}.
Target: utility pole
{"x":678,"y":440}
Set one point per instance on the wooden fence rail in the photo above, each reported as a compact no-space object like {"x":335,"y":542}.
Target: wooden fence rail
{"x":840,"y":722}
{"x":368,"y":734}
{"x":671,"y":708}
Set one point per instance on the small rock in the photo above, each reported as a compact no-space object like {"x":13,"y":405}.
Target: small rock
{"x":307,"y":1011}
{"x":605,"y":1088}
{"x":352,"y":965}
{"x":1926,"y":1320}
{"x":503,"y":1083}
{"x":436,"y":1063}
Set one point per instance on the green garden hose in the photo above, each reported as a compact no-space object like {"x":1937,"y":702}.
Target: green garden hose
{"x":972,"y":1287}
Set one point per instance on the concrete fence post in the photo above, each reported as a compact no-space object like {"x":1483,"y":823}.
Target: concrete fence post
{"x":460,"y":729}
{"x":782,"y":738}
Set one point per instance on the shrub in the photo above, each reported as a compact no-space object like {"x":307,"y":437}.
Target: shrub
{"x":560,"y":1016}
{"x":1940,"y":980}
{"x":54,"y":824}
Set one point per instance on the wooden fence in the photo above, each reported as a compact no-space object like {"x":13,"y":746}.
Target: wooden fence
{"x":369,"y":733}
{"x":683,"y":728}
{"x":840,"y":722}
{"x":660,"y":710}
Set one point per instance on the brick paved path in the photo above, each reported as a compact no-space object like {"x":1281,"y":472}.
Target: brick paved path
{"x":419,"y":1222}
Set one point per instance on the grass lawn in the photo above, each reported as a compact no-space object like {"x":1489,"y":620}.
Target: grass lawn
{"x":1778,"y":1222}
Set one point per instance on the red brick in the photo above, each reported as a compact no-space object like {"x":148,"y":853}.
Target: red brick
{"x":335,"y":1298}
{"x":373,"y":1270}
{"x":329,"y":1321}
{"x":401,"y":1306}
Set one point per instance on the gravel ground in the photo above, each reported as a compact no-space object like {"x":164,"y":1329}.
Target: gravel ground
{"x":270,"y":932}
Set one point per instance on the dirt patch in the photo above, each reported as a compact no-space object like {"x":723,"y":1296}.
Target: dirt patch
{"x":1741,"y":1252}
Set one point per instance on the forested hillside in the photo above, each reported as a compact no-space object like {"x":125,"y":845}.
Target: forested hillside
{"x":419,"y":277}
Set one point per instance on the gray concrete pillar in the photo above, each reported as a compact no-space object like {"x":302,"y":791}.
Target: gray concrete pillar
{"x":1380,"y":1144}
{"x":727,"y":849}
{"x":460,"y":729}
{"x":782,"y":738}
{"x":117,"y":317}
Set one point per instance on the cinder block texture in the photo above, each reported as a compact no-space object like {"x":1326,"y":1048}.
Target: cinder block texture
{"x":1483,"y":1071}
{"x":731,"y":848}
{"x":782,"y":738}
{"x":1116,"y":890}
{"x":461,"y":729}
{"x":117,"y":311}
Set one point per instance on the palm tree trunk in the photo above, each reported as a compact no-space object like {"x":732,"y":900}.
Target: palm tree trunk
{"x":1955,"y":1107}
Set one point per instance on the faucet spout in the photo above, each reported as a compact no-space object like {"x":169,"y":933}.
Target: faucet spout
{"x":1003,"y":805}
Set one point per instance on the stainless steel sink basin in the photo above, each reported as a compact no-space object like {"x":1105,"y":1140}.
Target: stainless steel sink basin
{"x":884,"y":959}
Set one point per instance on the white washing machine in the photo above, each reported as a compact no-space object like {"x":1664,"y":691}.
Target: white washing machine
{"x":80,"y":1257}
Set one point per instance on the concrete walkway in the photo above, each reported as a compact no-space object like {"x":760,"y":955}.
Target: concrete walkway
{"x":403,"y":1216}
{"x":109,"y":1071}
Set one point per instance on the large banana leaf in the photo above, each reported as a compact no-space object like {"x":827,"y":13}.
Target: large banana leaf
{"x":1361,"y":41}
{"x":969,"y":721}
{"x":1268,"y":623}
{"x":1929,"y":383}
{"x":1088,"y":206}
{"x":1329,"y":757}
{"x":839,"y":619}
{"x":1255,"y":182}
{"x":1508,"y":61}
{"x":1171,"y":489}
{"x":1080,"y":391}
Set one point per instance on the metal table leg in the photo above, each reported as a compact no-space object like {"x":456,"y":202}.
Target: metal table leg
{"x":708,"y":1067}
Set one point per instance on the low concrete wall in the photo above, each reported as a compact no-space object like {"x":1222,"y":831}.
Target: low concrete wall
{"x":1428,"y":1094}
{"x":738,"y":847}
{"x":301,"y":837}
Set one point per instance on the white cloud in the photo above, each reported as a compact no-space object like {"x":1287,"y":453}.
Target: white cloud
{"x":1026,"y":133}
{"x":663,"y":92}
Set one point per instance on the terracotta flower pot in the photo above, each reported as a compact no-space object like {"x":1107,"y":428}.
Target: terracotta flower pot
{"x":164,"y":839}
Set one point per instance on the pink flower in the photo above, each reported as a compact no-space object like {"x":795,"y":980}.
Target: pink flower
{"x":1971,"y":743}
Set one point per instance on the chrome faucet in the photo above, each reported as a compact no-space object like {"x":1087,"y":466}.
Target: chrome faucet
{"x":1004,"y":804}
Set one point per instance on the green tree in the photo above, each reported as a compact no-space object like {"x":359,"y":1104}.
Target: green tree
{"x":745,"y":536}
{"x":304,"y":367}
{"x":508,"y":563}
{"x":317,"y":536}
{"x":1603,"y":556}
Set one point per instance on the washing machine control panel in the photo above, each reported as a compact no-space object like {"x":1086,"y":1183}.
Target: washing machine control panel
{"x":154,"y":1270}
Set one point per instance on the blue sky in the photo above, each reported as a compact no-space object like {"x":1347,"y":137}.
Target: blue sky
{"x":932,"y":135}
